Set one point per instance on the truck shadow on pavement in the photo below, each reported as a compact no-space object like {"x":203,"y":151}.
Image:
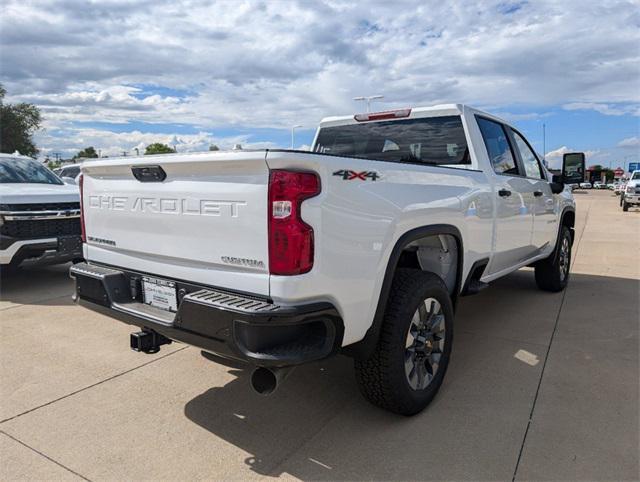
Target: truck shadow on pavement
{"x":317,"y":426}
{"x":49,"y":285}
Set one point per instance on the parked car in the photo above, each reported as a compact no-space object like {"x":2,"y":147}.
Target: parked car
{"x":599,"y":185}
{"x":39,"y":215}
{"x":69,"y":173}
{"x":585,"y":185}
{"x":363,"y":246}
{"x":631,"y":195}
{"x":611,"y":186}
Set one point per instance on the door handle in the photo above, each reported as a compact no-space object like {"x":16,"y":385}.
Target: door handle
{"x":537,"y":193}
{"x":504,"y":193}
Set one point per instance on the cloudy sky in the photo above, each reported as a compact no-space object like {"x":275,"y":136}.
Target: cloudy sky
{"x":119,"y":75}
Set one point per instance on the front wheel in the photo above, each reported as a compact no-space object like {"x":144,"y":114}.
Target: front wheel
{"x":411,"y":358}
{"x":552,"y":273}
{"x":625,"y":206}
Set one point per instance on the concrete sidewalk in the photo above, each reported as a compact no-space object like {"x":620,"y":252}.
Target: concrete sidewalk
{"x":541,"y":386}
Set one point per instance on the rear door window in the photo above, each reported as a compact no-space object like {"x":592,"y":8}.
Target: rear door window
{"x":429,"y":140}
{"x":498,"y":147}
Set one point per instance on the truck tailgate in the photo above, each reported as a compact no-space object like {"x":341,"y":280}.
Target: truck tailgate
{"x":206,"y":222}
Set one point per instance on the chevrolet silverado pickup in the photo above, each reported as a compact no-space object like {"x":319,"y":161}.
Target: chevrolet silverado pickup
{"x":39,"y":215}
{"x":362,"y":246}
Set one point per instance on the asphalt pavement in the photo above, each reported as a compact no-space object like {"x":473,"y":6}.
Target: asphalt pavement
{"x":541,"y":386}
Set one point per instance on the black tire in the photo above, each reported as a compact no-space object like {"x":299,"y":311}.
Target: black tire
{"x":625,"y":206}
{"x":382,"y":378}
{"x":621,"y":198}
{"x":552,"y":273}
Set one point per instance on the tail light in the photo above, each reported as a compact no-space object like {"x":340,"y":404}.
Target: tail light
{"x":290,"y":238}
{"x":82,"y":229}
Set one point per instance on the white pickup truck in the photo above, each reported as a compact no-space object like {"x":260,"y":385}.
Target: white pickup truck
{"x":631,"y":192}
{"x":363,"y":246}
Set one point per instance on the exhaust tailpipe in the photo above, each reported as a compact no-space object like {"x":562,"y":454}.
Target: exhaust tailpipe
{"x":265,"y":381}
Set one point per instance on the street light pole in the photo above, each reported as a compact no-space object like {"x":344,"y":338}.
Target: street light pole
{"x":293,"y":128}
{"x":544,"y":143}
{"x":368,"y":99}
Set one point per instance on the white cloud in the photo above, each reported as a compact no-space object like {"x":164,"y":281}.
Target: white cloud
{"x":115,"y":143}
{"x":606,"y":109}
{"x":276,"y":64}
{"x":630,"y":142}
{"x":554,"y":158}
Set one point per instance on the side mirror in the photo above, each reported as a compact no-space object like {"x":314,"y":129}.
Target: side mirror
{"x":573,"y":168}
{"x":556,"y":184}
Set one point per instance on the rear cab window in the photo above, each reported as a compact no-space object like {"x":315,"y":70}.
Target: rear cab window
{"x":424,"y":140}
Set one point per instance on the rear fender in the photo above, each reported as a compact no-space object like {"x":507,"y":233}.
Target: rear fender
{"x":364,"y":348}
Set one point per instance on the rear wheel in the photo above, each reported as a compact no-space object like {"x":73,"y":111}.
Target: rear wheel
{"x":411,"y":358}
{"x":625,"y":206}
{"x":552,"y":273}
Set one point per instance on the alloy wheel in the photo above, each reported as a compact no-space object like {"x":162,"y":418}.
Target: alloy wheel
{"x":424,"y":344}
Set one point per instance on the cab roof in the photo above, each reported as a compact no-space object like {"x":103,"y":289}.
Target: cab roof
{"x":414,"y":113}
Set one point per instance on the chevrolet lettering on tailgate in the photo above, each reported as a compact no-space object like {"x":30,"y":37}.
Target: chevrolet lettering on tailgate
{"x":176,"y":206}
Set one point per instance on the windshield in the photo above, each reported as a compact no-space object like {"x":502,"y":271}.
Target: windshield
{"x":636,"y":175}
{"x":18,"y":170}
{"x":430,"y":140}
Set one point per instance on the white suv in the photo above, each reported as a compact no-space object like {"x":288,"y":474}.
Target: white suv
{"x":39,"y":215}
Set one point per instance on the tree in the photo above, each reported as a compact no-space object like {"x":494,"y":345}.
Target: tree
{"x":158,"y":148}
{"x":18,"y":123}
{"x":89,"y":152}
{"x":213,"y":147}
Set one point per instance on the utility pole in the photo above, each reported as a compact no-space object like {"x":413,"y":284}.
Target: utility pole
{"x":544,"y":143}
{"x":368,"y":100}
{"x":293,"y":128}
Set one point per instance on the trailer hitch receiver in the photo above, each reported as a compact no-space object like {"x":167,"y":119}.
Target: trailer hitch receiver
{"x":148,"y":341}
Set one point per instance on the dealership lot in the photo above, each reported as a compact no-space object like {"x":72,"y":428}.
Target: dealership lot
{"x":543,"y":386}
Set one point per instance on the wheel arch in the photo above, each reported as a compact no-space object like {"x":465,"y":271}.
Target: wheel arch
{"x":363,"y":348}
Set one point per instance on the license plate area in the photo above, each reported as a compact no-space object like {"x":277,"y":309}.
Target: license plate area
{"x":69,"y":244}
{"x":160,"y":293}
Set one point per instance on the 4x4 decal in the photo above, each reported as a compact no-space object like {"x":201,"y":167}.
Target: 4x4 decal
{"x":349,"y":175}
